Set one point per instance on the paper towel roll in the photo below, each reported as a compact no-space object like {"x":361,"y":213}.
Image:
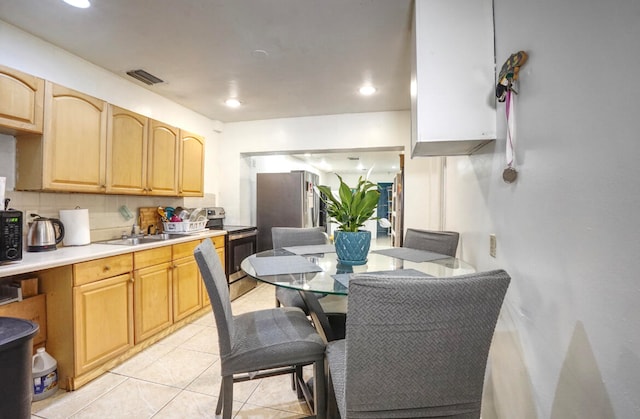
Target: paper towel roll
{"x":76,"y":227}
{"x":3,"y":185}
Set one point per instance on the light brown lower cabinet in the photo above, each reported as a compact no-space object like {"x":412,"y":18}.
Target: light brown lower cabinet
{"x":187,"y":282}
{"x":102,"y":312}
{"x":103,"y":325}
{"x":152,"y":292}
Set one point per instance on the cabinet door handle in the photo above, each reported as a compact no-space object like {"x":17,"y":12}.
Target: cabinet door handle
{"x":132,"y":279}
{"x":107,"y":268}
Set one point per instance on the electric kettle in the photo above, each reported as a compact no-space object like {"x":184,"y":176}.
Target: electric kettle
{"x":44,"y":234}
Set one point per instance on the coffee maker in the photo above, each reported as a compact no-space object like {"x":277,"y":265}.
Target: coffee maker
{"x":10,"y":235}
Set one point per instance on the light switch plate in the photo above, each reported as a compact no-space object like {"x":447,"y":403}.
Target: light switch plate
{"x":492,"y":245}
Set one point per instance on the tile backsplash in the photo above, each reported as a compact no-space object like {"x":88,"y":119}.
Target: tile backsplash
{"x":105,"y":219}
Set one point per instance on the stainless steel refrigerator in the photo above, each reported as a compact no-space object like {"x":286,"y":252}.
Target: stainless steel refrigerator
{"x":286,"y":200}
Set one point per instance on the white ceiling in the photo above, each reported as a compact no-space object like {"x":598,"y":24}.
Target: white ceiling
{"x":281,"y":58}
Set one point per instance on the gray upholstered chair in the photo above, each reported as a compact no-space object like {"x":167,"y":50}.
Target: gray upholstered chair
{"x":262,"y":343}
{"x":289,"y":237}
{"x":443,"y":242}
{"x":416,"y":347}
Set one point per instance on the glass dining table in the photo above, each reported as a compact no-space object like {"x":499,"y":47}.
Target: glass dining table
{"x":315,"y":271}
{"x":323,"y":273}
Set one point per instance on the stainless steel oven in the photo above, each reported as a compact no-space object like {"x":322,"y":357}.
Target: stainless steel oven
{"x":241,"y":242}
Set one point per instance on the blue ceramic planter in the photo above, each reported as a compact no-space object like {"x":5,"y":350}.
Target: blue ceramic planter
{"x":352,"y":247}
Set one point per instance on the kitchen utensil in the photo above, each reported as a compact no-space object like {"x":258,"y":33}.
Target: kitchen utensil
{"x":197,"y":214}
{"x":44,"y":234}
{"x":183,"y":214}
{"x":163,"y":214}
{"x":169,"y":211}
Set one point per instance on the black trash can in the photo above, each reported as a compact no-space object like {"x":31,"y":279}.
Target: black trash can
{"x":16,"y":385}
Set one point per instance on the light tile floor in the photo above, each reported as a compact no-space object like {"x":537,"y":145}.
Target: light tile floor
{"x":178,"y":377}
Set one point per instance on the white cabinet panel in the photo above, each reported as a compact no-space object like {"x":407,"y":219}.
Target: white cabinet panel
{"x":453,"y":77}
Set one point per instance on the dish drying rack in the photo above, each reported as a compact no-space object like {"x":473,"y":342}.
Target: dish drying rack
{"x":184,"y":226}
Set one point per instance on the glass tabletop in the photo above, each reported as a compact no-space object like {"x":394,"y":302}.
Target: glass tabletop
{"x":332,"y":278}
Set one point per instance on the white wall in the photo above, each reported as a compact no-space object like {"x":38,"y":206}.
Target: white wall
{"x":567,"y":345}
{"x":332,"y":132}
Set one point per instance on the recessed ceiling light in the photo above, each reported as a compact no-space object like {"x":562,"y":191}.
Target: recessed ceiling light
{"x":367,"y":90}
{"x":232,"y":103}
{"x":82,"y":4}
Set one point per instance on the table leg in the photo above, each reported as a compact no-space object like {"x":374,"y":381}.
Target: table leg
{"x":318,"y":316}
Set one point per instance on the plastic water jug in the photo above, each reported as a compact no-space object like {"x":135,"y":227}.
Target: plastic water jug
{"x":45,"y":375}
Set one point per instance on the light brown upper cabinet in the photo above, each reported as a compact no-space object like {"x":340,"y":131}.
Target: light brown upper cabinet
{"x":127,"y":135}
{"x":21,"y":102}
{"x":71,"y":153}
{"x":191,"y":179}
{"x":164,"y":142}
{"x":67,"y":141}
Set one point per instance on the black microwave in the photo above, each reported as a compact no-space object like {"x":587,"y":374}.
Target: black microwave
{"x":10,"y":235}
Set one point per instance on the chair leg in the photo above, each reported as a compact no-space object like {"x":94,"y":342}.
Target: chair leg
{"x":225,"y":401}
{"x":319,"y":389}
{"x":220,"y":398}
{"x":297,"y":379}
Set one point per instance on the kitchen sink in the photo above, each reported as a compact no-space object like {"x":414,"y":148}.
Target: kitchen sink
{"x":132,"y":241}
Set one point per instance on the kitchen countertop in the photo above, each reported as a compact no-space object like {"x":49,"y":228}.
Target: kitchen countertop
{"x":36,"y":261}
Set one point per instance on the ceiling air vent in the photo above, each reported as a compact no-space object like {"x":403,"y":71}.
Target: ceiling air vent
{"x":144,"y":77}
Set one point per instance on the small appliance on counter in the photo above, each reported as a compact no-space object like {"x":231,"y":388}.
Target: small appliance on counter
{"x":44,"y":234}
{"x":10,"y":235}
{"x":215,"y":218}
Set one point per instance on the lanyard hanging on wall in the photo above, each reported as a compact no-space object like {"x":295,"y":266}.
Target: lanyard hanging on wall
{"x":510,"y":174}
{"x":504,"y":92}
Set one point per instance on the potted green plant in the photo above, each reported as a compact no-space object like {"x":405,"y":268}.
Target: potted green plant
{"x":350,"y":210}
